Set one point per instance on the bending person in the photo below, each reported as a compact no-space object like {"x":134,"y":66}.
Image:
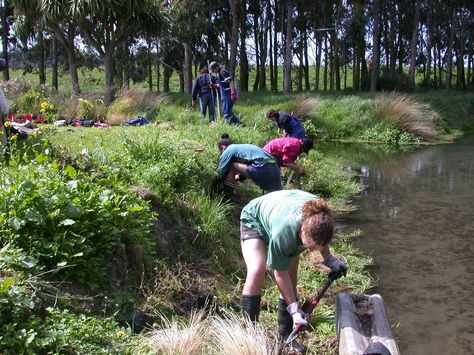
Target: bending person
{"x":286,"y":150}
{"x":274,"y":230}
{"x":240,"y":161}
{"x":291,"y":125}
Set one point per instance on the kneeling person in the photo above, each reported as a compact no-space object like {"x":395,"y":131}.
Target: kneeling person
{"x":249,"y":161}
{"x":287,"y":149}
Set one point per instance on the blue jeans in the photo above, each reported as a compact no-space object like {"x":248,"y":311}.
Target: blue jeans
{"x":227,"y":105}
{"x":206,"y":101}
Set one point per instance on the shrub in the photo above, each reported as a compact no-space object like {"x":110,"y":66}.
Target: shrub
{"x":15,"y":88}
{"x":406,"y":114}
{"x":30,"y":101}
{"x":48,"y":110}
{"x":394,"y":80}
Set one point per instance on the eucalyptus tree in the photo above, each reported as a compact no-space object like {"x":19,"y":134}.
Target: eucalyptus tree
{"x":105,"y":24}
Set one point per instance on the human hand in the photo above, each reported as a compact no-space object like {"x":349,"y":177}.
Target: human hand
{"x":233,"y":96}
{"x":193,"y":103}
{"x":338,"y":267}
{"x":297,"y":314}
{"x":213,"y":86}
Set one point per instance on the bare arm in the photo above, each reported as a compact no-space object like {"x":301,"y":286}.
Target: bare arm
{"x":294,"y":167}
{"x":325,"y":251}
{"x":283,"y":280}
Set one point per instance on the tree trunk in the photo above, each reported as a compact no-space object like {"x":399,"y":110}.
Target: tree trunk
{"x":449,"y":53}
{"x":257,"y":52}
{"x":109,"y":76}
{"x":331,"y":63}
{"x":166,"y":78}
{"x":270,"y":50}
{"x":71,"y":56}
{"x":158,"y":76}
{"x":414,"y":41}
{"x":244,"y":64}
{"x":469,"y":65}
{"x":435,"y":75}
{"x":440,"y":67}
{"x":181,"y":82}
{"x":41,"y":65}
{"x":288,"y":53}
{"x":375,"y":49}
{"x":326,"y":62}
{"x":306,"y":62}
{"x":275,"y":57}
{"x":319,"y":45}
{"x":400,"y":40}
{"x":126,"y":65}
{"x":188,"y":68}
{"x":234,"y":37}
{"x":429,"y":45}
{"x":54,"y":65}
{"x":5,"y":33}
{"x":150,"y":74}
{"x":392,"y":40}
{"x":262,"y":83}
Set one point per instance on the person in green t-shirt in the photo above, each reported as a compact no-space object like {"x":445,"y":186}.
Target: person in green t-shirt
{"x":274,"y":230}
{"x":241,"y":161}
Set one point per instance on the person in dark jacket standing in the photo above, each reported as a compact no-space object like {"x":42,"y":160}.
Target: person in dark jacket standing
{"x":227,"y":91}
{"x":290,"y":124}
{"x":204,"y":88}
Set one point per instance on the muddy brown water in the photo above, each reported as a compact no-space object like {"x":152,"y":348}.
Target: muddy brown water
{"x":416,"y":215}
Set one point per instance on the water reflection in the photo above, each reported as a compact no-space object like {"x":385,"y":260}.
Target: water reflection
{"x":416,"y":215}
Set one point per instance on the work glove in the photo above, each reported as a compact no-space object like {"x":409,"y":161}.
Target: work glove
{"x":233,"y":96}
{"x":338,"y":267}
{"x":297,"y":314}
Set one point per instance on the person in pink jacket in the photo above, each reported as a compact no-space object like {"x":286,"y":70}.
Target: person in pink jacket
{"x":287,"y":149}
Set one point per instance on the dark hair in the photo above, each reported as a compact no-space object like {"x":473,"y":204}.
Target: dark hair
{"x":224,"y":141}
{"x":317,"y":225}
{"x":213,"y":65}
{"x":307,"y":144}
{"x":272,"y":113}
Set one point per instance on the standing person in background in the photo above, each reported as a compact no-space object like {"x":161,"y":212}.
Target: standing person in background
{"x":287,"y":149}
{"x":227,"y":90}
{"x":274,"y":230}
{"x":291,"y":125}
{"x":241,"y":161}
{"x":204,"y":87}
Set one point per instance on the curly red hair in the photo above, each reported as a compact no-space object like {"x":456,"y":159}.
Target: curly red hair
{"x":317,"y":224}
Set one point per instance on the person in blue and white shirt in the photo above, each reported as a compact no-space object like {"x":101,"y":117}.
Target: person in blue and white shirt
{"x":227,"y":91}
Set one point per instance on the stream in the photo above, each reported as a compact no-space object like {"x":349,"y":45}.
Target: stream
{"x":416,"y":217}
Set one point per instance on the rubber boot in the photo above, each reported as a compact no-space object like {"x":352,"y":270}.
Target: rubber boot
{"x":251,"y":307}
{"x":285,"y":327}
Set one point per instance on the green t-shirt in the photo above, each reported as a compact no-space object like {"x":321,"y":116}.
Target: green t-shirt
{"x":242,"y":152}
{"x":277,"y":218}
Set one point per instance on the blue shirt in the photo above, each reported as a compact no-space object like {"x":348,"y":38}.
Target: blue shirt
{"x":244,"y":153}
{"x":292,"y":125}
{"x":224,"y":78}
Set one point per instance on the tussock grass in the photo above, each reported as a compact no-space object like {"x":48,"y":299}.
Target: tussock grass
{"x":232,"y":335}
{"x":303,"y":107}
{"x":407,"y":114}
{"x":180,"y":336}
{"x":135,"y":102}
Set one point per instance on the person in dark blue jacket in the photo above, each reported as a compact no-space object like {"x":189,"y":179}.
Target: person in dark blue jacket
{"x":204,"y":88}
{"x":227,"y":91}
{"x":290,"y":124}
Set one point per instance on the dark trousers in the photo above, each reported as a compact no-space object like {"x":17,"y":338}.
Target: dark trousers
{"x":207,"y":102}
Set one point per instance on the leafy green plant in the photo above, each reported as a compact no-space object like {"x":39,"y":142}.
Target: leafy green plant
{"x":59,"y":216}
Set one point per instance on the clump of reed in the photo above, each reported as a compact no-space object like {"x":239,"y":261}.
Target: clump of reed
{"x":134,"y":102}
{"x":180,"y":337}
{"x":212,"y":335}
{"x":304,"y":106}
{"x":232,"y":335}
{"x":407,"y":114}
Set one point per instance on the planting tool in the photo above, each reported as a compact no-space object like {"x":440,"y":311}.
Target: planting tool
{"x":312,"y":305}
